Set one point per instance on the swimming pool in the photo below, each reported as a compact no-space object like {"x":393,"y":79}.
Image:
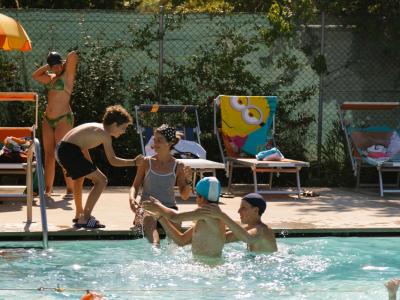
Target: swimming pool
{"x":316,"y":268}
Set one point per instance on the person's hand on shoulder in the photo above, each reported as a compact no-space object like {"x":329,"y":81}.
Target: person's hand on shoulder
{"x":139,"y":160}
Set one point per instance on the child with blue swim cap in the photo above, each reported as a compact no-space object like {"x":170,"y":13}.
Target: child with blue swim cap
{"x":207,"y":236}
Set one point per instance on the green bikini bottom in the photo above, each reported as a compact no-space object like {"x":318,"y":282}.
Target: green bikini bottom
{"x":54,"y":122}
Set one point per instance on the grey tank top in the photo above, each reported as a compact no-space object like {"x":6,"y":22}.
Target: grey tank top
{"x":160,"y":186}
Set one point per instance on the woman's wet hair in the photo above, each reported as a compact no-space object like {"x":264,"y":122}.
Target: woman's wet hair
{"x":116,"y":114}
{"x":169,"y":133}
{"x":54,"y":58}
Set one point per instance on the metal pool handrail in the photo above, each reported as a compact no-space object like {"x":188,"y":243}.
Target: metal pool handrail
{"x":39,"y":170}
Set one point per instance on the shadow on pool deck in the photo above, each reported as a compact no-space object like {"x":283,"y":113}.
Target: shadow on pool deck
{"x":334,"y":210}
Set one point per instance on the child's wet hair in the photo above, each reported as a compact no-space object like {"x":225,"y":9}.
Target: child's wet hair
{"x":117,"y":114}
{"x":256,"y":200}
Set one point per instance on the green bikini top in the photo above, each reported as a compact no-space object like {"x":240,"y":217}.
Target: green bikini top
{"x":57,"y":85}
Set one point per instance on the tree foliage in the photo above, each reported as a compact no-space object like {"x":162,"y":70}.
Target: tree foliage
{"x":13,"y":113}
{"x":222,"y":65}
{"x":284,"y":15}
{"x":68,"y":4}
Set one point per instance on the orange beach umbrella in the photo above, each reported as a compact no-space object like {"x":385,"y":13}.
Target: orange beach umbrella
{"x":13,"y":35}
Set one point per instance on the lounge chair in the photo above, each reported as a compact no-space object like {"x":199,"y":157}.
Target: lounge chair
{"x":25,"y":168}
{"x":244,"y":126}
{"x":191,"y":131}
{"x":372,"y":138}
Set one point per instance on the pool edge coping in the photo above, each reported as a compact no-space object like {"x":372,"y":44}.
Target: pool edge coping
{"x":129,"y":234}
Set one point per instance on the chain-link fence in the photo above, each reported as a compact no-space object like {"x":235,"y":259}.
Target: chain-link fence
{"x":134,"y":58}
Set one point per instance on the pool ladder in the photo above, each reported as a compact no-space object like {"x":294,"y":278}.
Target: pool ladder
{"x":40,"y":176}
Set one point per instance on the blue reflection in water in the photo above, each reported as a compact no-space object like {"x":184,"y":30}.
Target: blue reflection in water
{"x":317,"y":268}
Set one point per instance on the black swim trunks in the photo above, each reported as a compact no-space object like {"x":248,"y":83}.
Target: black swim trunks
{"x":71,"y":158}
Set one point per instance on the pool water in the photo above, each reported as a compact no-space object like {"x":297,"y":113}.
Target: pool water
{"x":312,"y":268}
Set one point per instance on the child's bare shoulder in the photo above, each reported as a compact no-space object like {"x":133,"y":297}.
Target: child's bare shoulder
{"x":264,"y":230}
{"x":87,"y":135}
{"x":90,"y":126}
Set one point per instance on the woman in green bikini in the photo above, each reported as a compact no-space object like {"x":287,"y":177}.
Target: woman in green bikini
{"x":58,"y":76}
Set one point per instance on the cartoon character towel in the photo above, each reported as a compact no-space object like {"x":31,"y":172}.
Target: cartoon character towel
{"x":246,"y":122}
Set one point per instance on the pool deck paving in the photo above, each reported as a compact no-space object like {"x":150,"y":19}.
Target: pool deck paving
{"x":331,"y":210}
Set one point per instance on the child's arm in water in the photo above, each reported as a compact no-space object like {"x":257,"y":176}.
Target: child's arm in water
{"x":237,"y":230}
{"x":181,"y":239}
{"x":155,"y":206}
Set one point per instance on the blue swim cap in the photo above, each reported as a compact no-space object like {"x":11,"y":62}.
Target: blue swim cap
{"x":54,"y":58}
{"x":209,"y":188}
{"x":255,"y":199}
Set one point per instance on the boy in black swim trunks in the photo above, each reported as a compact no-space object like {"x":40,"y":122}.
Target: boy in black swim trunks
{"x":73,"y":155}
